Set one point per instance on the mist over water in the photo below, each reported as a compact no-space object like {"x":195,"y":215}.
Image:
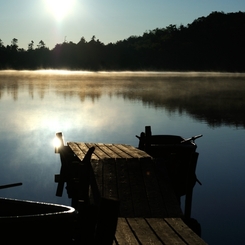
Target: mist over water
{"x":112,"y":107}
{"x":217,"y":98}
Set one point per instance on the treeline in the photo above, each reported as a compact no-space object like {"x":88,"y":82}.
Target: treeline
{"x":212,"y":43}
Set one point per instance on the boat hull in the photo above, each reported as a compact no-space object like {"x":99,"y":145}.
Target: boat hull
{"x":31,"y":222}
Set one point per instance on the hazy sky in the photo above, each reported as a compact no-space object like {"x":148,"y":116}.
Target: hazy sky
{"x":54,"y":21}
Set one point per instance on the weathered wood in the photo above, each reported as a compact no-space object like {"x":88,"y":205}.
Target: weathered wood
{"x":124,"y":188}
{"x":149,"y":211}
{"x":124,"y":234}
{"x":189,"y":236}
{"x":167,"y":231}
{"x":110,"y":189}
{"x":108,"y":149}
{"x":143,"y":232}
{"x":131,"y":179}
{"x":139,"y":197}
{"x":78,"y":151}
{"x":153,"y":191}
{"x":119,"y":151}
{"x":164,"y":231}
{"x":132,"y":151}
{"x":98,"y":152}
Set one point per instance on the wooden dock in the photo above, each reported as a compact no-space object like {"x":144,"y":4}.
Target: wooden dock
{"x":149,"y":212}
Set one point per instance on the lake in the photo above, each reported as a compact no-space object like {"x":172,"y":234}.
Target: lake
{"x":113,"y":107}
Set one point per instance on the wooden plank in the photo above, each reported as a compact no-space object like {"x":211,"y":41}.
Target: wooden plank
{"x":143,"y":231}
{"x":77,"y":151}
{"x":189,"y":236}
{"x":107,"y":148}
{"x":84,"y":147}
{"x":109,"y":178}
{"x":139,"y":197}
{"x":164,"y":231}
{"x":132,"y":151}
{"x":124,"y":234}
{"x":98,"y":152}
{"x":118,"y":151}
{"x":124,"y":189}
{"x":153,"y":191}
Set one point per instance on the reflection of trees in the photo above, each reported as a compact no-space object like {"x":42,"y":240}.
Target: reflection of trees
{"x":41,"y":83}
{"x":218,"y":100}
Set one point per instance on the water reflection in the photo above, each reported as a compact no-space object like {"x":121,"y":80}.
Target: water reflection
{"x":215,"y":98}
{"x":112,"y":108}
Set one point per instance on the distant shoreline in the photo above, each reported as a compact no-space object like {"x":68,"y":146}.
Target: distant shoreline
{"x":209,"y":44}
{"x":124,"y":73}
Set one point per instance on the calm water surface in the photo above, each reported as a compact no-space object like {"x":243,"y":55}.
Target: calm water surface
{"x":113,"y":108}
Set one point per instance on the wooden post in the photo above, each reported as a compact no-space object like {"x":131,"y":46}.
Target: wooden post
{"x":75,"y":173}
{"x":80,"y":180}
{"x":66,"y":157}
{"x":60,"y":138}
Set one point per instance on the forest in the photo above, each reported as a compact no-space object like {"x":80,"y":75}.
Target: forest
{"x":212,"y":43}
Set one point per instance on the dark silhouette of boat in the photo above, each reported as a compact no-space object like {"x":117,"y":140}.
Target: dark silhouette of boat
{"x":176,"y":159}
{"x":32,"y":222}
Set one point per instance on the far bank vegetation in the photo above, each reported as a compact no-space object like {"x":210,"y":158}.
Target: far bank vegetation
{"x":212,"y":43}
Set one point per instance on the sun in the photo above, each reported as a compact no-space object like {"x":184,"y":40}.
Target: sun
{"x":60,"y":8}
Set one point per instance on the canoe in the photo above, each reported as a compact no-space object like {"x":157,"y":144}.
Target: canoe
{"x":31,"y":222}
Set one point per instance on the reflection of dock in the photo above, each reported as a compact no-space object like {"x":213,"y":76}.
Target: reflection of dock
{"x":149,"y":212}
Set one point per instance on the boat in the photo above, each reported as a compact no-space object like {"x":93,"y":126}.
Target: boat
{"x":176,"y":155}
{"x":32,"y":222}
{"x":159,"y":146}
{"x":176,"y":159}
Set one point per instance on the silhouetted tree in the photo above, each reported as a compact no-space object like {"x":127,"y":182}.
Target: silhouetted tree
{"x":31,"y":45}
{"x":214,"y":42}
{"x":14,"y":44}
{"x":41,"y":45}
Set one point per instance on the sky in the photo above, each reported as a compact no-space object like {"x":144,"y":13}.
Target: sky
{"x":56,"y":21}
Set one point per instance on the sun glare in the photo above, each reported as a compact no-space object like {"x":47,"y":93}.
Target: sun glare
{"x":60,"y":8}
{"x":57,"y":142}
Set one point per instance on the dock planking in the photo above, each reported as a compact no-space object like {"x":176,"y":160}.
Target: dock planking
{"x":149,"y":211}
{"x":155,"y":231}
{"x":105,"y":151}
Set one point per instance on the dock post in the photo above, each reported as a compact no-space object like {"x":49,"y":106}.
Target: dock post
{"x":60,"y":142}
